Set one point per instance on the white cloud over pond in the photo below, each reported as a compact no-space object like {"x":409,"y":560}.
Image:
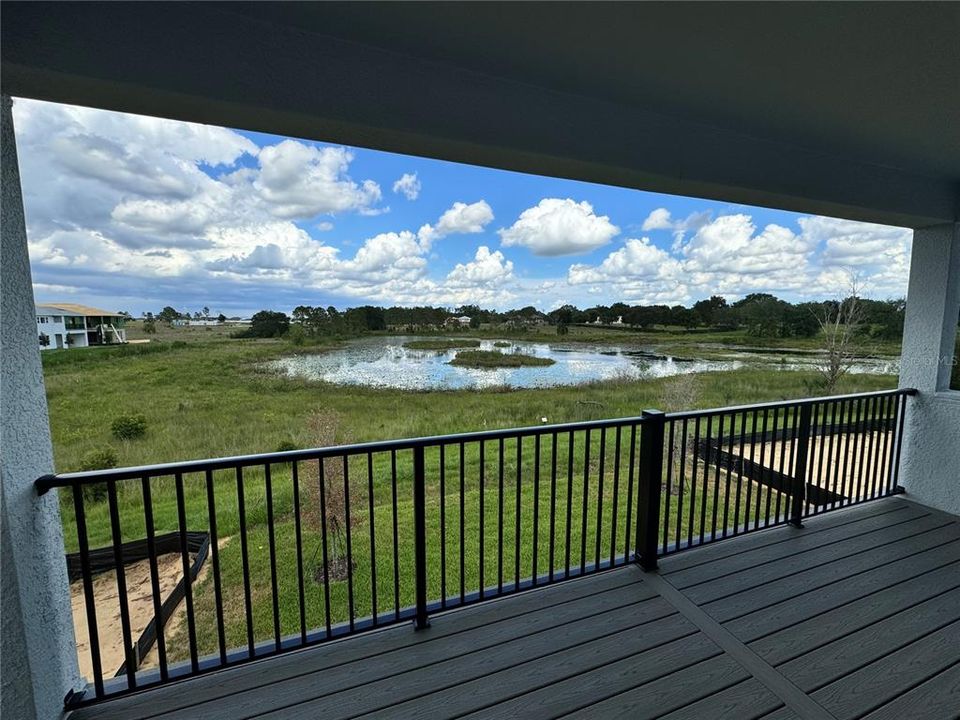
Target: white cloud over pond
{"x":138,"y":211}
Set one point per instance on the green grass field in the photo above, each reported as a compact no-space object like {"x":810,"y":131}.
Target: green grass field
{"x":204,"y":395}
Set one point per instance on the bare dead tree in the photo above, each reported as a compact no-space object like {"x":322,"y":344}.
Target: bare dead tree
{"x":330,"y":516}
{"x":679,"y":393}
{"x":841,"y":329}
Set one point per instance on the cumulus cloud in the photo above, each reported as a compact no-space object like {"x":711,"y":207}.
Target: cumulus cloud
{"x":486,"y":269}
{"x":559,"y":227}
{"x":408,"y":185}
{"x":298,"y":180}
{"x":459,"y":219}
{"x":659,"y":219}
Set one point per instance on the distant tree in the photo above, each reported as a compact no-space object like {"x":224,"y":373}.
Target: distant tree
{"x":562,"y":328}
{"x":206,"y":311}
{"x":149,"y":327}
{"x":168,"y":314}
{"x":707,"y":310}
{"x":221,"y":318}
{"x":475,"y":322}
{"x":268,"y":324}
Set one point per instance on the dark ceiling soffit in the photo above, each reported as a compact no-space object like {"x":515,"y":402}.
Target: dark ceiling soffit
{"x":260,"y":76}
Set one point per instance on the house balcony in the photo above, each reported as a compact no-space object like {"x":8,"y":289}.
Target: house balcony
{"x":748,"y":561}
{"x":857,"y":614}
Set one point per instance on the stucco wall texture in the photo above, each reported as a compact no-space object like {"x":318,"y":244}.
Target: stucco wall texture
{"x":38,"y":657}
{"x":930,"y":460}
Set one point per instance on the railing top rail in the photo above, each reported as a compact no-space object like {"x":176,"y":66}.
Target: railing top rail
{"x":47,"y":482}
{"x":682,"y":414}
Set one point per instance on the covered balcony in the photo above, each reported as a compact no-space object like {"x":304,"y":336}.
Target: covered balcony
{"x":794,"y":559}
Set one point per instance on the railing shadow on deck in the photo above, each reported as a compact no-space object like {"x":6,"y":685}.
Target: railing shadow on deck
{"x":312,"y":545}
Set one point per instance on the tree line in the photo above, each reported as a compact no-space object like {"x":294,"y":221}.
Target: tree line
{"x":760,"y":315}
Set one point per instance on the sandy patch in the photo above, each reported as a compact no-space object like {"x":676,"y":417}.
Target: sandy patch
{"x":107,"y":602}
{"x":840,"y":466}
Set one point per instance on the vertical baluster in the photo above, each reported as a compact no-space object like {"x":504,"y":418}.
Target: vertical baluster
{"x":869,"y":485}
{"x":483,"y":546}
{"x":765,"y":474}
{"x":245,"y":559}
{"x":500,"y":517}
{"x":752,"y":479}
{"x":847,"y":473}
{"x":129,"y":649}
{"x":820,"y":438}
{"x":716,"y":478}
{"x":737,"y":512}
{"x":325,"y":544}
{"x":780,"y":442}
{"x":603,"y":452}
{"x":373,"y":542}
{"x":799,"y":495}
{"x":215,"y":559}
{"x":705,"y":490}
{"x":272,"y":545}
{"x":298,"y":532}
{"x":669,"y":488}
{"x":889,"y":407}
{"x":901,"y":416}
{"x":420,"y":537}
{"x":463,"y":533}
{"x":836,"y":450}
{"x":187,"y":578}
{"x":155,"y":577}
{"x":536,"y":507}
{"x":681,"y":481}
{"x":443,"y":527}
{"x":615,"y":516}
{"x":517,"y":514}
{"x":693,"y":481}
{"x":351,"y":610}
{"x":93,"y":634}
{"x":396,"y":536}
{"x":584,"y":504}
{"x":862,"y":438}
{"x":553,"y":504}
{"x":569,"y":501}
{"x":630,"y":469}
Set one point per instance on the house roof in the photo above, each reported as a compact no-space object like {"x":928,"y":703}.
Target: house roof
{"x":843,"y":109}
{"x":75,"y":309}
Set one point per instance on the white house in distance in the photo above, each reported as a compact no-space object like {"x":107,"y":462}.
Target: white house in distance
{"x":63,"y":325}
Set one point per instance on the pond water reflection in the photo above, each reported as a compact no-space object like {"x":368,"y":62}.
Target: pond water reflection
{"x":385,"y":362}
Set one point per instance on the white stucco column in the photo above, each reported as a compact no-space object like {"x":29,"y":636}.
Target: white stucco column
{"x":38,"y":662}
{"x":930,"y":462}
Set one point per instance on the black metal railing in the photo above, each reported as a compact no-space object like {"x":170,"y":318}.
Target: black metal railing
{"x":310,"y":545}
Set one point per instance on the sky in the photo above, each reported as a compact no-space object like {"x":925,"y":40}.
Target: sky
{"x":132,"y":213}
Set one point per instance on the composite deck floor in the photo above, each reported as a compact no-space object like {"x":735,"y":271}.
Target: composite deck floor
{"x":857,"y":615}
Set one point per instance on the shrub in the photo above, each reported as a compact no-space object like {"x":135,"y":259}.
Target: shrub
{"x":286,"y":446}
{"x":129,"y":427}
{"x":98,"y":459}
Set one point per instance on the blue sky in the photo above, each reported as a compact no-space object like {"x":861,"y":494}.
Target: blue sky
{"x":133,"y":213}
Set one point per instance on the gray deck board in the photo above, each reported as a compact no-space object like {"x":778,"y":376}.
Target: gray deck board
{"x":858,"y":614}
{"x":937,"y":697}
{"x":746,"y":700}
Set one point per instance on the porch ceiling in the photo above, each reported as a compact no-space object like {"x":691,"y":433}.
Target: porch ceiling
{"x":849,"y":109}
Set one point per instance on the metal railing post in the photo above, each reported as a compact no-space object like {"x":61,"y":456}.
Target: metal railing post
{"x":798,"y":494}
{"x":648,"y":488}
{"x":420,"y":537}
